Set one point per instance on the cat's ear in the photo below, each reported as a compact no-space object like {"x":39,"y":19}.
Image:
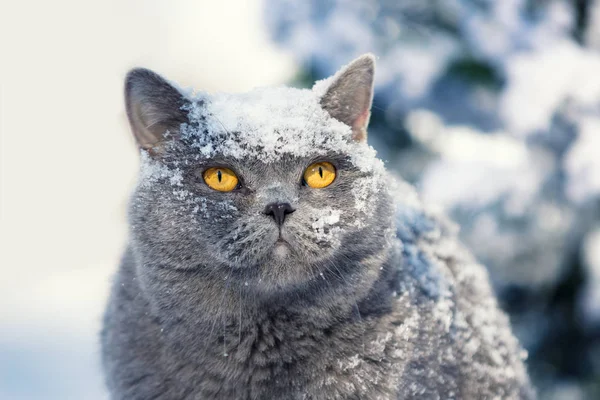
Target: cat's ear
{"x":154,"y":107}
{"x":349,"y":96}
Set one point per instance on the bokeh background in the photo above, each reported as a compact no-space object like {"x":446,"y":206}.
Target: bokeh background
{"x":491,"y":108}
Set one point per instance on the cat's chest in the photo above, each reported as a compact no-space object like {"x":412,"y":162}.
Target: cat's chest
{"x":297,"y":361}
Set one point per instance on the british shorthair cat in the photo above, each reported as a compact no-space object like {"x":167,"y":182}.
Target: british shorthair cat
{"x":271,"y":256}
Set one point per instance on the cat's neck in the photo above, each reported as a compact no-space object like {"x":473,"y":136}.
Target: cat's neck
{"x":199,"y":303}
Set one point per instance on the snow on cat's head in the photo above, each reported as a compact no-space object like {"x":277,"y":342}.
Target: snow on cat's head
{"x":272,"y":184}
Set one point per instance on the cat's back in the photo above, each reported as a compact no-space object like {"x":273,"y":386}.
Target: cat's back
{"x":461,"y":342}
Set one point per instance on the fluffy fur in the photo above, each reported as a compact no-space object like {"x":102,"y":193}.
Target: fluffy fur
{"x":368,"y":296}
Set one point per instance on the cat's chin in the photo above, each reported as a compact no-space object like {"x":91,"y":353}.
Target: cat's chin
{"x":281,"y":249}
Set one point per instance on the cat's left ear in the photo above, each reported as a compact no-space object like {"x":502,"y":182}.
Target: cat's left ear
{"x":348,"y":98}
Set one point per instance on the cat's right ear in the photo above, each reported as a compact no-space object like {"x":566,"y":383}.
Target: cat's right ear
{"x":350,"y":94}
{"x":154,"y":107}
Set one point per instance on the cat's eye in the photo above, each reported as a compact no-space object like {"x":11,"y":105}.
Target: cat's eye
{"x":221,"y":179}
{"x":319,"y":175}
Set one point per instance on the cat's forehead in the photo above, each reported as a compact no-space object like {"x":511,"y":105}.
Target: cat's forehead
{"x":264,"y":124}
{"x":269,"y":109}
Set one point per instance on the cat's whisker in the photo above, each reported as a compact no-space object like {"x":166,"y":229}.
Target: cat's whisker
{"x":223,"y":317}
{"x":364,"y":328}
{"x":332,"y":264}
{"x":240,"y":329}
{"x":322,"y":276}
{"x":221,"y":302}
{"x":338,"y":272}
{"x":220,"y":123}
{"x":355,"y":301}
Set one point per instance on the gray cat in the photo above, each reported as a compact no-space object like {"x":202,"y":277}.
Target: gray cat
{"x":271,"y":256}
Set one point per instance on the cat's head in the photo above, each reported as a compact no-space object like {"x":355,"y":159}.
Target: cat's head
{"x":273,"y":187}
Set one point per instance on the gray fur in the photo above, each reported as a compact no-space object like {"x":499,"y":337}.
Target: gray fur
{"x":380,"y":303}
{"x":153,"y":107}
{"x":348,"y":98}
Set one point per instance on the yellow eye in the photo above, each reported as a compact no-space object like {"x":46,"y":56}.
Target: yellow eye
{"x":221,"y":179}
{"x":319,"y":175}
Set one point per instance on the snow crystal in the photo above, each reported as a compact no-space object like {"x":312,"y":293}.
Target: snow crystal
{"x":151,"y":170}
{"x":176,"y":178}
{"x":324,"y":221}
{"x":351,"y":363}
{"x":320,"y":87}
{"x":364,"y":191}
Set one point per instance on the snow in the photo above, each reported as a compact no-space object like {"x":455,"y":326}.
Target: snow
{"x":582,"y":163}
{"x":474,"y":169}
{"x":323,"y":224}
{"x":364,"y":191}
{"x":151,"y":171}
{"x":452,"y":288}
{"x":539,"y":82}
{"x":463,"y":143}
{"x":267,"y":123}
{"x":264,"y":124}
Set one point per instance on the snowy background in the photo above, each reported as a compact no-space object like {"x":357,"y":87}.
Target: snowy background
{"x":492,"y":108}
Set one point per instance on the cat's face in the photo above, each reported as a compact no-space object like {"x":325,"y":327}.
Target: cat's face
{"x":271,"y":187}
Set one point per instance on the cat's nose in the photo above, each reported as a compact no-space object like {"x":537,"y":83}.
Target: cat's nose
{"x":278,"y":211}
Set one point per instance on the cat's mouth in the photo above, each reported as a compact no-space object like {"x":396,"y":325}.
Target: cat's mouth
{"x":282,"y":237}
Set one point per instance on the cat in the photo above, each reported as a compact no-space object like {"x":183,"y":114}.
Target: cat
{"x":271,"y":256}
